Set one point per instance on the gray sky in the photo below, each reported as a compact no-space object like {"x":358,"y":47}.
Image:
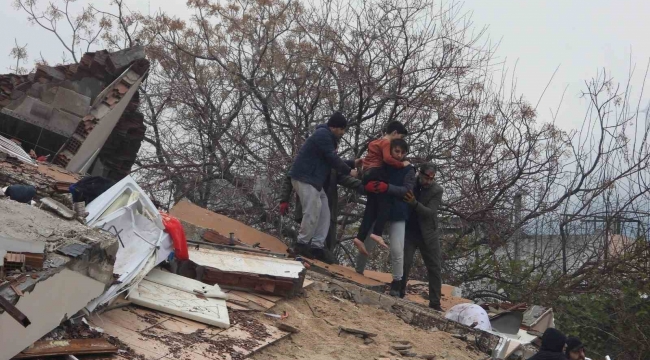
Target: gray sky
{"x":582,"y":36}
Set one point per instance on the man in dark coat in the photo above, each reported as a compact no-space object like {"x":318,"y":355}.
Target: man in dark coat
{"x":553,"y":342}
{"x":331,"y":190}
{"x":309,"y":172}
{"x":422,"y":232}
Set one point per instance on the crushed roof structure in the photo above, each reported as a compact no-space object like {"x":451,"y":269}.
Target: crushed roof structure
{"x":196,"y":220}
{"x":84,"y":116}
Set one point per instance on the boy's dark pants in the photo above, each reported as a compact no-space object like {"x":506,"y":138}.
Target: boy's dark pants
{"x":377,"y":207}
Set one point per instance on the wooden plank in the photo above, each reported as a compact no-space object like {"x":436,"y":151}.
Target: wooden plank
{"x":14,"y":312}
{"x":67,"y":347}
{"x":271,"y":297}
{"x":233,"y":306}
{"x":249,"y":305}
{"x":356,"y":331}
{"x":266,"y":304}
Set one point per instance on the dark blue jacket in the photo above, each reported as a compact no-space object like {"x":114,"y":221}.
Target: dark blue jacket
{"x":316,"y":159}
{"x":403,"y":178}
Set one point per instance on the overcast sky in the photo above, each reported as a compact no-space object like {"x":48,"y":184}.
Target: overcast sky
{"x":581,"y":36}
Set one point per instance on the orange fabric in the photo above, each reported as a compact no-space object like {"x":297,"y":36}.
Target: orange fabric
{"x":378,"y":154}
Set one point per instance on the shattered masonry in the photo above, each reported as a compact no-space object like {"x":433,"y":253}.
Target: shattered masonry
{"x":54,"y":110}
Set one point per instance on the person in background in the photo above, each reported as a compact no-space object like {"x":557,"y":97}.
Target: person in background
{"x":401,"y":181}
{"x":422,"y":232}
{"x":553,"y":342}
{"x":575,"y":350}
{"x":308,"y":174}
{"x":375,"y":164}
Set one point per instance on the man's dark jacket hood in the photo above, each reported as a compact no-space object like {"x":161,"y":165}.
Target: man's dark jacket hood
{"x":553,"y":342}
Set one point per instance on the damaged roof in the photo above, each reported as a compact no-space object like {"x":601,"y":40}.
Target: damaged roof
{"x":195,"y":215}
{"x":54,"y":109}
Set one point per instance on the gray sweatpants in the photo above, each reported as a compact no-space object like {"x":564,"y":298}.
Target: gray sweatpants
{"x":315,"y":214}
{"x":396,"y":231}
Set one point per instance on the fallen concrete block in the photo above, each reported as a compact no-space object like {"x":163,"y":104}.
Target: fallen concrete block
{"x":58,"y":208}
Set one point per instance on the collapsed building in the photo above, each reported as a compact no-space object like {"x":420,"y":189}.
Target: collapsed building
{"x":117,"y":275}
{"x":83,"y":116}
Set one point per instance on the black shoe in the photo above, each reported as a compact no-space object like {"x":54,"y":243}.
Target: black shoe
{"x":436,"y":307}
{"x":402,"y":288}
{"x":303,"y":250}
{"x":324,"y":255}
{"x":395,"y":288}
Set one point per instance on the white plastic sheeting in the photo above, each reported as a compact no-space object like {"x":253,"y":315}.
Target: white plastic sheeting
{"x":14,"y":150}
{"x":126,"y":211}
{"x":468,"y":314}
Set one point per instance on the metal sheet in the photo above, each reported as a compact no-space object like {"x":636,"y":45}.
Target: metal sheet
{"x":246,"y":263}
{"x":14,"y":150}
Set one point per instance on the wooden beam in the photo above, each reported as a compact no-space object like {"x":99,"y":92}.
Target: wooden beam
{"x":50,"y":348}
{"x":14,"y":312}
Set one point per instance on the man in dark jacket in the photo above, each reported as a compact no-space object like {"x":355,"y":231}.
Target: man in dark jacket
{"x":553,"y":342}
{"x":331,"y":189}
{"x":422,"y":231}
{"x":309,"y":172}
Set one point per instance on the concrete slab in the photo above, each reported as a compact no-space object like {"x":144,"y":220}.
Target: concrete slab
{"x":72,"y":102}
{"x":63,"y":293}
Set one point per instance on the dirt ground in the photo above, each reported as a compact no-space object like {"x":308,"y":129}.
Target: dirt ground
{"x":319,"y":340}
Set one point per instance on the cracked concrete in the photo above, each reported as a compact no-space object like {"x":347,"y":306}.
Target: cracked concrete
{"x":65,"y":285}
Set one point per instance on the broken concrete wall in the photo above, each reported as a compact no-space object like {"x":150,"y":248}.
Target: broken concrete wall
{"x":44,"y":109}
{"x":50,"y":302}
{"x":47,"y":179}
{"x":78,"y":268}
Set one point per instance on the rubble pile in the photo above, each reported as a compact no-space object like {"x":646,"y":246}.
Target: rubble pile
{"x":53,"y":111}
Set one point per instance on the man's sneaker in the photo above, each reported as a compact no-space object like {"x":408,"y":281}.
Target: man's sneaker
{"x":303,"y":250}
{"x":324,"y":255}
{"x":436,"y":307}
{"x":395,"y":288}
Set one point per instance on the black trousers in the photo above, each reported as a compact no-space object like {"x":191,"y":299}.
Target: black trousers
{"x":377,"y":209}
{"x":430,"y":251}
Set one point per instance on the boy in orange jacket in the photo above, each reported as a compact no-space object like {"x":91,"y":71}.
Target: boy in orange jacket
{"x":374,"y":172}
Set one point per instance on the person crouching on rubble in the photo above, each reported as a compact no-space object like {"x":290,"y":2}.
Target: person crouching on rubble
{"x":575,"y":350}
{"x":553,"y":343}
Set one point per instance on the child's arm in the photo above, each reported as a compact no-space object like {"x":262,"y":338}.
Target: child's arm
{"x":400,"y":191}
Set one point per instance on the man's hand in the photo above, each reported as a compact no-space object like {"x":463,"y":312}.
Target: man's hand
{"x":376,"y":187}
{"x":353,"y":173}
{"x":284,"y":208}
{"x":406,"y":163}
{"x":409,"y":198}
